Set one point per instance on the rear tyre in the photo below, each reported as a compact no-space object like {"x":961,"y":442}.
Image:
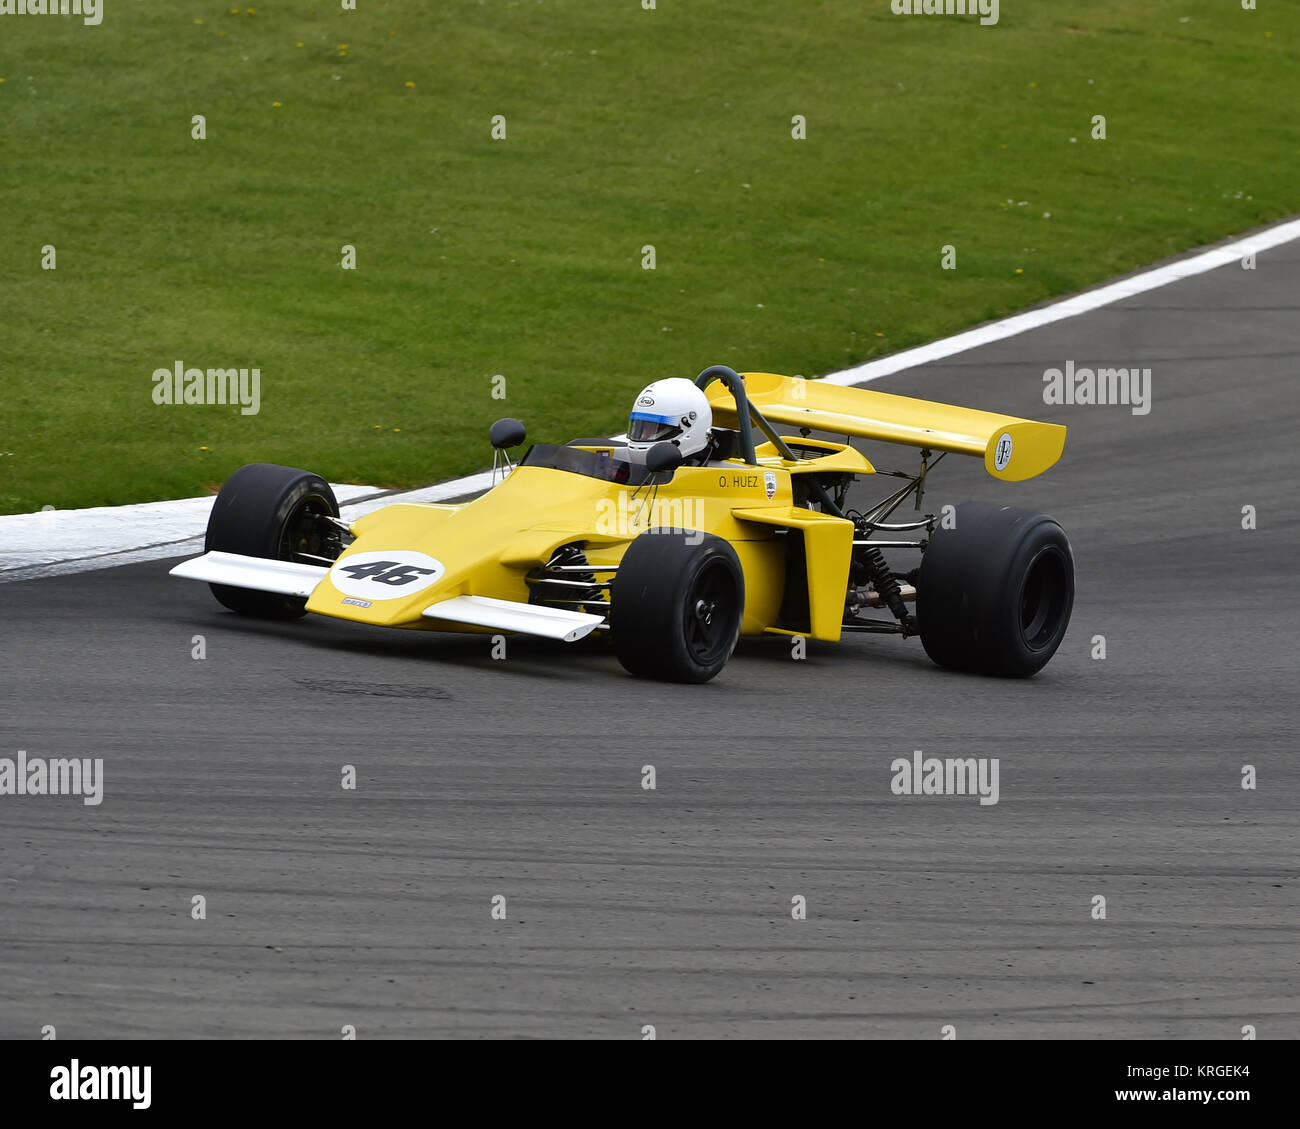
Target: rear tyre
{"x":268,"y":511}
{"x":676,"y":605}
{"x":994,"y":593}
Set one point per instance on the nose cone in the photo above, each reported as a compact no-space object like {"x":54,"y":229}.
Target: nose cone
{"x":380,"y":586}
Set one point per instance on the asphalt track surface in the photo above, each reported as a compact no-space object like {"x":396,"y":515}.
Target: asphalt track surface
{"x":1118,"y":777}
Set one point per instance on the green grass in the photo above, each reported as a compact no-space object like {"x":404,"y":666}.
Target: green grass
{"x":523,"y":257}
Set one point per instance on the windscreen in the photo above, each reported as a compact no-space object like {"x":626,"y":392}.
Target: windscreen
{"x":592,"y":464}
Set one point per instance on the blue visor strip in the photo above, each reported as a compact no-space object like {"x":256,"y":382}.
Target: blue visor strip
{"x":650,"y":417}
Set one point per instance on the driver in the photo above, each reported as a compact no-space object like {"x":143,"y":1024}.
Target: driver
{"x":671,"y":411}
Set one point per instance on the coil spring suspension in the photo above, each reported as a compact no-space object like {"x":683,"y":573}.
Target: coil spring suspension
{"x":884,"y":582}
{"x":571,"y":594}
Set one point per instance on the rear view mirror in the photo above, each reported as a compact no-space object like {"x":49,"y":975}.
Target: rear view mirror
{"x":507,"y":432}
{"x":663,"y":456}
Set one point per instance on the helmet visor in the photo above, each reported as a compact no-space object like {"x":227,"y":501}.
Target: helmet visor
{"x":644,"y":427}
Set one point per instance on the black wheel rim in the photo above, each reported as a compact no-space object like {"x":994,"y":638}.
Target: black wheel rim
{"x":710,"y":614}
{"x":305,"y":535}
{"x":1042,"y":599}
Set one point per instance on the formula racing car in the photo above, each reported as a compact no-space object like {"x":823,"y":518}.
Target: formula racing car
{"x":704,"y":524}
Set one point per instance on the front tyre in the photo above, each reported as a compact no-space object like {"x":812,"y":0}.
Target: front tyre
{"x":271,"y":511}
{"x":994,"y":592}
{"x":676,"y":605}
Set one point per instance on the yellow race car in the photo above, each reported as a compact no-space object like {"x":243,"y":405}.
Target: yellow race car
{"x":705,"y":524}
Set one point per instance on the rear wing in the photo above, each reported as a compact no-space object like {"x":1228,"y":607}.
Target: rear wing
{"x":1013,"y":449}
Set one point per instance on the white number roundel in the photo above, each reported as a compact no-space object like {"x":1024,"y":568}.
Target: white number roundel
{"x":385,"y":574}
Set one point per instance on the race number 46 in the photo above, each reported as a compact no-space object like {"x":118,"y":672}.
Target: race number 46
{"x":385,"y":574}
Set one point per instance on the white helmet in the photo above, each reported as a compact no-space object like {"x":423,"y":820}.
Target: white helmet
{"x":673,"y":411}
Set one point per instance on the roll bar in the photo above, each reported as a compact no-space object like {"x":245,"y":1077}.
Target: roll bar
{"x":747,"y":412}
